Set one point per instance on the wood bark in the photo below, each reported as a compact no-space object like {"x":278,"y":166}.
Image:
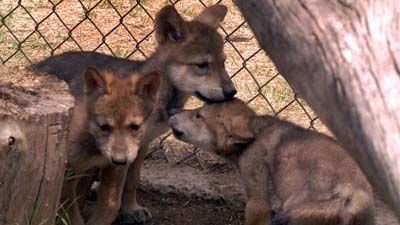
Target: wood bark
{"x":343,"y":58}
{"x":34,"y":115}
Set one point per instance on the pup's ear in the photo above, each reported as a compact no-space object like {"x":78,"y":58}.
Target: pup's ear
{"x":95,"y":80}
{"x":240,"y":132}
{"x":212,"y":16}
{"x":148,"y":86}
{"x":169,"y":25}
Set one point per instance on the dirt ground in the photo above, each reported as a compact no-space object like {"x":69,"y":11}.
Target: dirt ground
{"x":179,"y":209}
{"x":174,"y":209}
{"x":182,"y":195}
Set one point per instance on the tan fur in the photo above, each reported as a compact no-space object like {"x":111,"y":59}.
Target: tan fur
{"x":314,"y":178}
{"x":190,"y":60}
{"x":109,"y":125}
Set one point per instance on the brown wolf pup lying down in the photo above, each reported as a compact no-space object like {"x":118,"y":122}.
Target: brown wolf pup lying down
{"x":314,"y":178}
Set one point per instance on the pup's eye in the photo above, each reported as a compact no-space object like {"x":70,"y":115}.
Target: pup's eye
{"x":105,"y":128}
{"x":230,"y":136}
{"x":11,"y":140}
{"x":203,"y":65}
{"x":134,"y":127}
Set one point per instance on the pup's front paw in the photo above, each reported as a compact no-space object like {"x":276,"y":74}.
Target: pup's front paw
{"x":135,"y":217}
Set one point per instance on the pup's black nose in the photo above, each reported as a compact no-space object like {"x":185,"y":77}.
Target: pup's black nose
{"x":229,"y":92}
{"x":119,"y":161}
{"x":177,"y":133}
{"x":172,"y":112}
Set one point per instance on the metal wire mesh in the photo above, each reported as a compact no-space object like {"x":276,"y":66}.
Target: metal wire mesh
{"x":33,"y":30}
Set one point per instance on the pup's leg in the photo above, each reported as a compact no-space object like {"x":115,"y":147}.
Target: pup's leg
{"x":109,"y":195}
{"x":70,"y":202}
{"x":131,"y":211}
{"x":257,"y":212}
{"x":83,"y":188}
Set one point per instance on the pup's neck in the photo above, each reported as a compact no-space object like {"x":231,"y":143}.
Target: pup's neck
{"x":170,"y":96}
{"x":158,"y":61}
{"x":256,"y":124}
{"x":234,"y":157}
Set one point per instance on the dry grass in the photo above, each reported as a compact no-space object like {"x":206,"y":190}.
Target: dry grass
{"x":76,"y":25}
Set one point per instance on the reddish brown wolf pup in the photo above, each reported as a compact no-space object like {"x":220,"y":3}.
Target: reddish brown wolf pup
{"x":314,"y":178}
{"x":109,"y":124}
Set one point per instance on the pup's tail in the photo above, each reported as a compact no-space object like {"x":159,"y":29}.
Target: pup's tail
{"x":347,"y":206}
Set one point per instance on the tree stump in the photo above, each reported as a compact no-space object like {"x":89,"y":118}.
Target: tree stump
{"x":343,"y":57}
{"x":34,"y":114}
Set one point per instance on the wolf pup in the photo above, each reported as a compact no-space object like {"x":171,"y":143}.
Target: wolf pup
{"x":314,"y":178}
{"x":109,"y":124}
{"x":189,"y":58}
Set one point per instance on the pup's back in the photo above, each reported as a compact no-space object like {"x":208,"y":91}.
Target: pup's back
{"x":316,"y":180}
{"x":69,"y":67}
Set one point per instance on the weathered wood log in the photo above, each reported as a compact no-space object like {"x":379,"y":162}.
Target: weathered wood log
{"x":343,"y":57}
{"x":34,"y":115}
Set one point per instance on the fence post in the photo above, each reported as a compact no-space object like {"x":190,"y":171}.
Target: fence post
{"x":34,"y":115}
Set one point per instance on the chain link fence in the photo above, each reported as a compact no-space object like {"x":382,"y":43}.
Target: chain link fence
{"x":33,"y":30}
